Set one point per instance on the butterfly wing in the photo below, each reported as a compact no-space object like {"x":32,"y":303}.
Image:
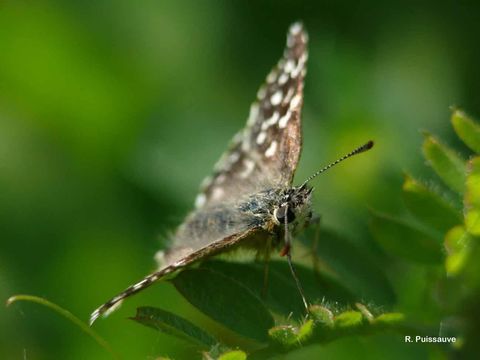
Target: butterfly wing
{"x":206,"y":251}
{"x":266,"y":153}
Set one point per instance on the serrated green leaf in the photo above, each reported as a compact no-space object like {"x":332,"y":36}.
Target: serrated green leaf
{"x":400,"y":239}
{"x":467,"y":130}
{"x":446,"y":163}
{"x":348,"y":319}
{"x":174,"y":325}
{"x":472,"y":197}
{"x":226,"y":301}
{"x":233,"y":355}
{"x":456,"y":244}
{"x":429,"y":207}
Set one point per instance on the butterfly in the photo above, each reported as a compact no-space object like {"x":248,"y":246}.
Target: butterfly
{"x":249,"y":200}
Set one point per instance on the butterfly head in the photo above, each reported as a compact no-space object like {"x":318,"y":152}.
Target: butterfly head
{"x":294,"y":207}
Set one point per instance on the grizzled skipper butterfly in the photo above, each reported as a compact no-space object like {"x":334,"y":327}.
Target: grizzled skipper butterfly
{"x":249,"y":200}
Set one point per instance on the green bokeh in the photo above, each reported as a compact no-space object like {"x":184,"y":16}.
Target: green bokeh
{"x":112,"y":112}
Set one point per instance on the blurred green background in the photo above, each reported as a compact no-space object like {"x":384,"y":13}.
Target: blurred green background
{"x":112,"y":112}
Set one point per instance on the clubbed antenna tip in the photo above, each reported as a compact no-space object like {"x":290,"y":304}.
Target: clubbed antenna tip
{"x":363,"y":148}
{"x":368,"y":145}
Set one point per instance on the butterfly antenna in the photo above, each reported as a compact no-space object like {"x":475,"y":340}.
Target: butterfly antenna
{"x":358,"y":150}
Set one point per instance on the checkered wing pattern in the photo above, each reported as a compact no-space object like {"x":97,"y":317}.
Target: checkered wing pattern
{"x":266,"y":152}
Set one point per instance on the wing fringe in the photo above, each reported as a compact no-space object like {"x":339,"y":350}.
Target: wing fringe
{"x":208,"y":250}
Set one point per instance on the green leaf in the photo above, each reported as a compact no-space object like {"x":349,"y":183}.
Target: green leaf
{"x":174,"y":325}
{"x":390,"y":318}
{"x":289,"y":335}
{"x":428,"y":206}
{"x":456,"y":244}
{"x":233,"y":355}
{"x":305,"y":331}
{"x":226,"y":301}
{"x":322,"y":315}
{"x":400,"y":239}
{"x":467,"y":130}
{"x":351,"y":266}
{"x":281,"y":295}
{"x":348,"y":319}
{"x":446,"y":163}
{"x":472,"y":197}
{"x":283,"y":334}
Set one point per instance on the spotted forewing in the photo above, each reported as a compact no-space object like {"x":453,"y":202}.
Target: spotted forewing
{"x":267,"y":150}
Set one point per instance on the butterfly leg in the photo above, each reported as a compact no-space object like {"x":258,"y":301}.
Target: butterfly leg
{"x":266,"y":264}
{"x":287,"y":251}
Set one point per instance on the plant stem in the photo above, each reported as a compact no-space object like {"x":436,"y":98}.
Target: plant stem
{"x":67,"y":314}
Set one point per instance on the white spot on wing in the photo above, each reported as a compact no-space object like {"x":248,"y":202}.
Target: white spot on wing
{"x":283,"y":79}
{"x":297,"y":70}
{"x":261,"y":93}
{"x":271,"y":149}
{"x":282,"y":123}
{"x":303,"y":59}
{"x":295,"y":28}
{"x":289,"y":95}
{"x":272,"y":120}
{"x":276,"y":98}
{"x":295,"y":102}
{"x":272,"y":76}
{"x":261,"y":137}
{"x":113,"y":308}
{"x":206,"y":182}
{"x":289,"y":66}
{"x":137,"y":286}
{"x":253,"y":114}
{"x":200,"y":200}
{"x":160,"y":258}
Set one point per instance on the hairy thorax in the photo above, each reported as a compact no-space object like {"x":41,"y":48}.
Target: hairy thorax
{"x":259,"y":211}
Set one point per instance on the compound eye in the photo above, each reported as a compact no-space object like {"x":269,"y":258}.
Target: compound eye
{"x":280,"y":214}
